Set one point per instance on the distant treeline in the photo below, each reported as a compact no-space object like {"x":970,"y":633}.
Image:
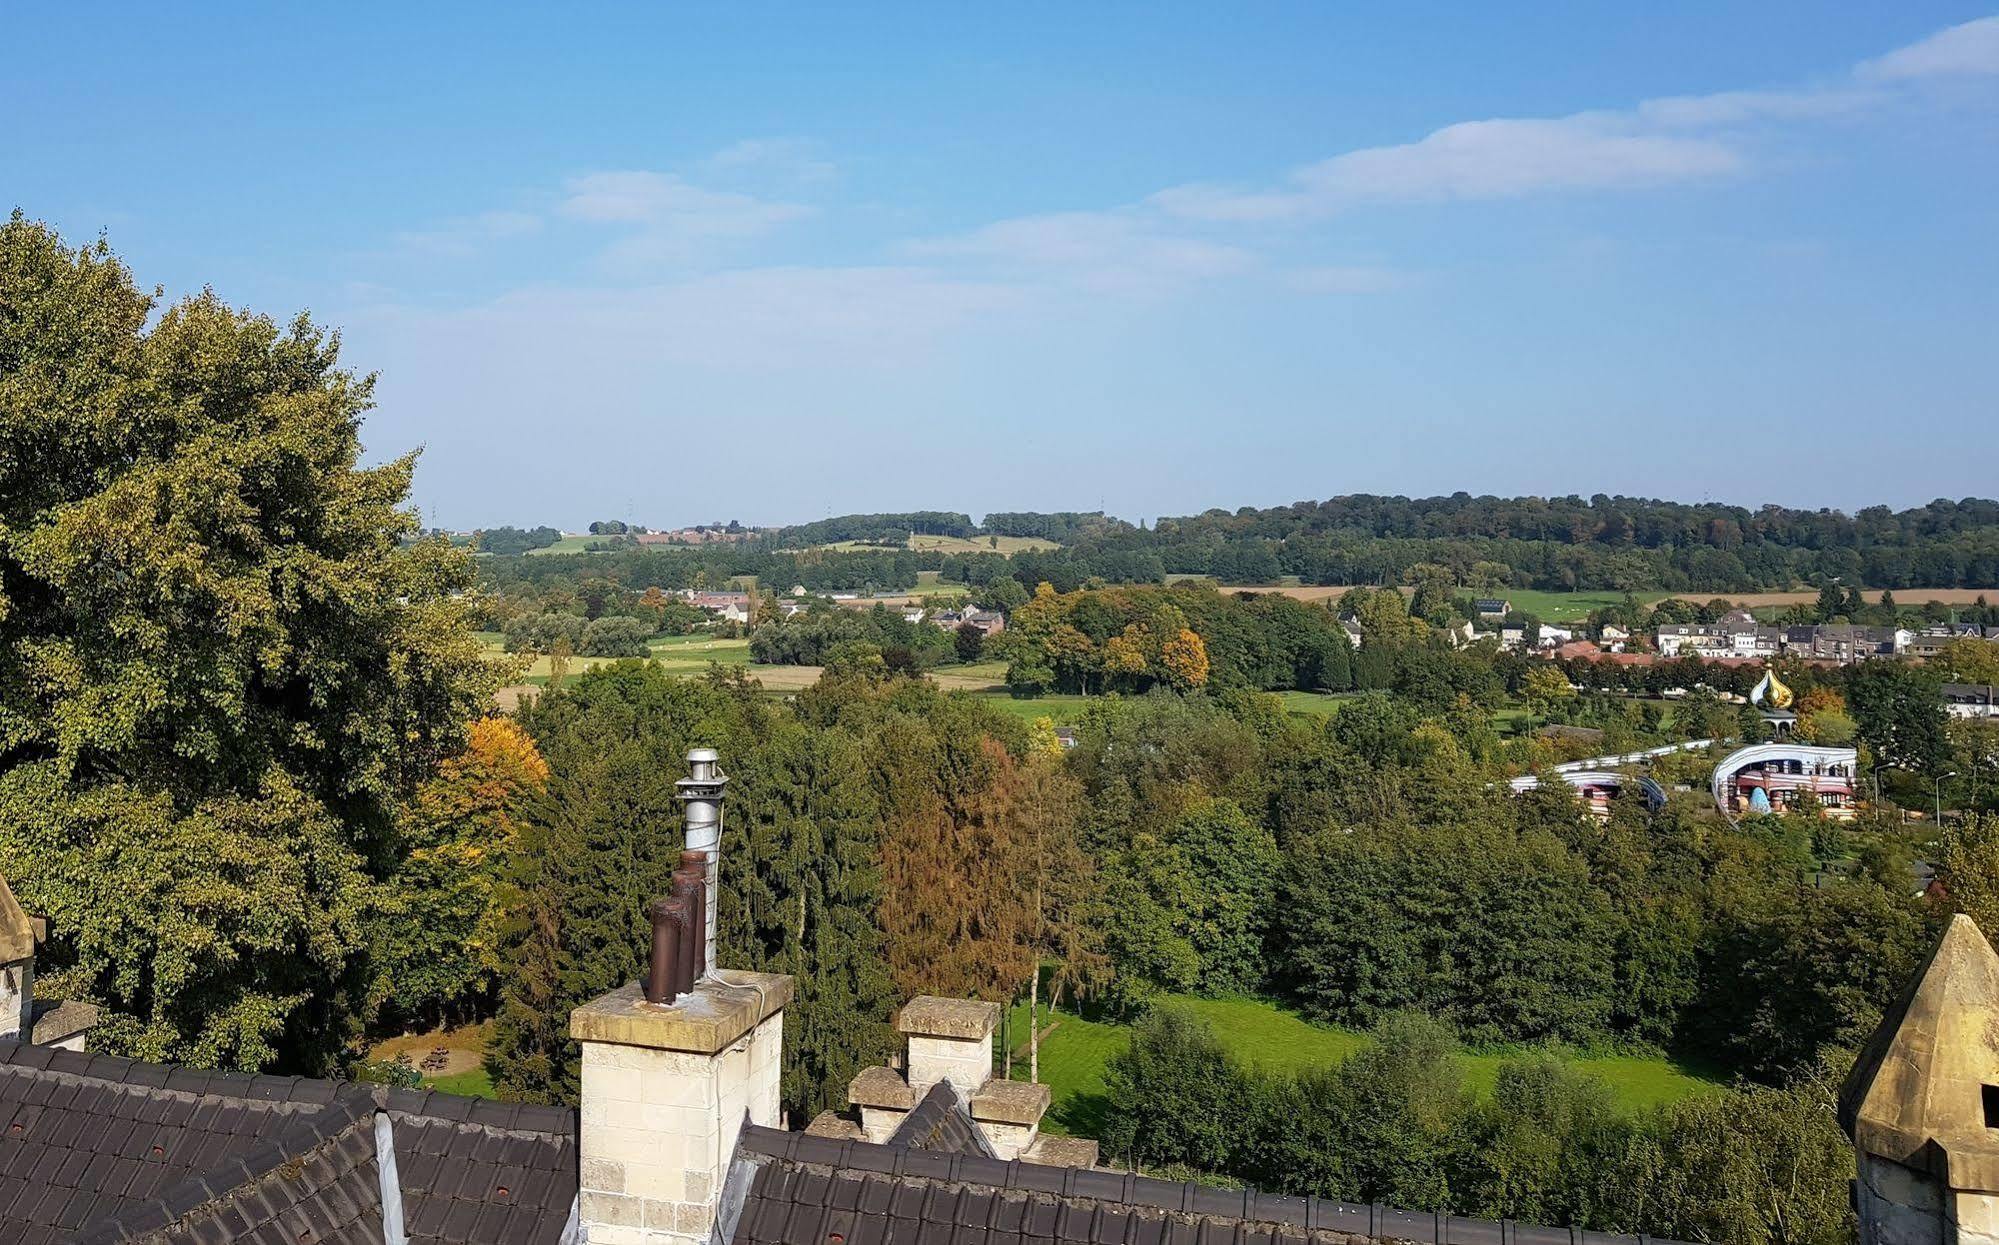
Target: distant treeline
{"x":1603,"y":543}
{"x":877,"y":528}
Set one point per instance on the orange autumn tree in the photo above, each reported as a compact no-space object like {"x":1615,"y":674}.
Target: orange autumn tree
{"x":956,"y":906}
{"x":983,"y":880}
{"x":434,"y":918}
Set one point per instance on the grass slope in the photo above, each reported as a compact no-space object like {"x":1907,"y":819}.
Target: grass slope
{"x":1262,"y":1034}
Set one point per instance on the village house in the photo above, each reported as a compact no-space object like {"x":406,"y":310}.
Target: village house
{"x":988,"y":622}
{"x":731,"y":607}
{"x":1612,"y":637}
{"x":1970,"y":700}
{"x":1845,"y":642}
{"x":1492,"y":607}
{"x":1932,"y":641}
{"x":1738,"y":635}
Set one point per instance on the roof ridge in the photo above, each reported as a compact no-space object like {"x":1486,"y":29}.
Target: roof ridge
{"x":1131,"y":1190}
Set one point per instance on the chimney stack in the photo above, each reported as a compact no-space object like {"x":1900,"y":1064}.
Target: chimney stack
{"x":674,"y":1065}
{"x":701,"y":792}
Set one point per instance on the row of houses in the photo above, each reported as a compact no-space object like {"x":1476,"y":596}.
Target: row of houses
{"x":734,"y":607}
{"x":1739,"y":635}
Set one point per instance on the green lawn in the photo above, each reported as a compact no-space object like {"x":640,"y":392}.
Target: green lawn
{"x":568,"y":544}
{"x":1062,"y":710}
{"x":692,"y":654}
{"x":1312,"y":704}
{"x":1262,"y":1034}
{"x":473,"y":1084}
{"x":1565,"y":607}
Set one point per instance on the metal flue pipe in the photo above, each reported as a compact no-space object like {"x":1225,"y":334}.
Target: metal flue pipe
{"x":701,"y":795}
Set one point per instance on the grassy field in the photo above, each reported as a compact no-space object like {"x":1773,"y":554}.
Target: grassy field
{"x":1312,"y":704}
{"x":472,"y":1084}
{"x":1261,"y":1034}
{"x":568,"y":544}
{"x":1006,"y":545}
{"x":931,"y":589}
{"x":1061,"y":710}
{"x":1567,"y":607}
{"x":979,"y":676}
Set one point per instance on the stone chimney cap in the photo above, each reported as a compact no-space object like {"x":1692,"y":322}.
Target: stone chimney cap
{"x":711,"y":1017}
{"x":17,"y":932}
{"x":928,"y":1015}
{"x":1010,"y":1102}
{"x":881,"y":1087}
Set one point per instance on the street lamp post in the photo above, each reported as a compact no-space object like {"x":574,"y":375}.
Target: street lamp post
{"x":1939,"y":792}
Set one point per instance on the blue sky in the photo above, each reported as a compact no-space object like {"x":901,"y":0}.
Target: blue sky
{"x":679,"y":264}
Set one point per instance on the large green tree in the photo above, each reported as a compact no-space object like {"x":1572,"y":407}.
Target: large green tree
{"x":224,"y":661}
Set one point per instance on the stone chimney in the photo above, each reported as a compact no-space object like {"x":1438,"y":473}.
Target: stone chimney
{"x":951,"y":1043}
{"x":667,"y":1085}
{"x":949,"y":1040}
{"x":1922,"y":1104}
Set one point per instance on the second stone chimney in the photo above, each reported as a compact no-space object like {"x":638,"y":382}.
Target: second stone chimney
{"x":949,"y":1040}
{"x":951,"y":1045}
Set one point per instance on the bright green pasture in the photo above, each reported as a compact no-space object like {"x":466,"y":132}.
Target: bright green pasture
{"x":1566,"y":607}
{"x":1263,"y":1034}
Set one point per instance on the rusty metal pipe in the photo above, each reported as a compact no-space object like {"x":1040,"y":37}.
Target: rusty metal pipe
{"x":666,"y":953}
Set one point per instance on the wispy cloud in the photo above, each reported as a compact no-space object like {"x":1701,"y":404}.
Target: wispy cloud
{"x":1971,"y":48}
{"x":1470,"y":160}
{"x":466,"y":235}
{"x":667,"y":218}
{"x":1659,"y":142}
{"x":1106,"y":251}
{"x":794,"y":159}
{"x":753,"y":319}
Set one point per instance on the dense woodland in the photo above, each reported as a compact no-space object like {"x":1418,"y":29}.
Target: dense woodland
{"x":1604,"y":543}
{"x":251,"y":771}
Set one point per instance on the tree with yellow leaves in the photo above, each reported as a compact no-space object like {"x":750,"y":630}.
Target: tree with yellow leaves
{"x":1185,"y":657}
{"x":433,"y":921}
{"x":1125,"y":654}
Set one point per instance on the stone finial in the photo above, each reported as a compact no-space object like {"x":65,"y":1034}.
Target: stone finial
{"x":17,"y":968}
{"x":1922,"y":1103}
{"x":17,"y":930}
{"x":949,"y":1040}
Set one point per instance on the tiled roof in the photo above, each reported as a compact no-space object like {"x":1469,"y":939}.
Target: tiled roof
{"x":803,"y":1190}
{"x":95,"y":1149}
{"x":941,"y":1123}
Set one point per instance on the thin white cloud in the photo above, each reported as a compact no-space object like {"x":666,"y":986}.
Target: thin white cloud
{"x":1659,"y":142}
{"x":753,"y":319}
{"x":1971,"y":48}
{"x":466,"y":235}
{"x":669,"y":219}
{"x":1725,"y":108}
{"x":794,"y":159}
{"x":639,"y":197}
{"x":1106,"y":251}
{"x":1499,"y":159}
